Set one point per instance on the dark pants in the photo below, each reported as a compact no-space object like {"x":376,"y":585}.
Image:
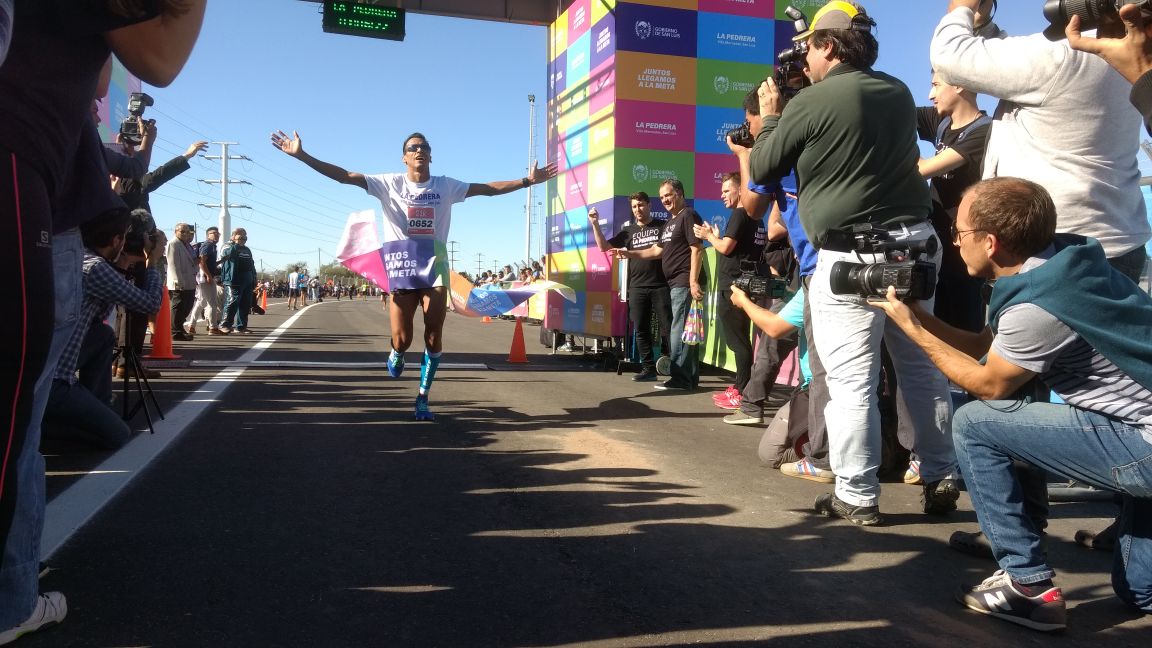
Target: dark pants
{"x":26,"y":333}
{"x":76,"y":413}
{"x":737,"y":335}
{"x":816,"y":450}
{"x":239,"y":304}
{"x":643,"y":303}
{"x":136,"y":324}
{"x":95,"y":362}
{"x":182,"y":303}
{"x":770,"y":355}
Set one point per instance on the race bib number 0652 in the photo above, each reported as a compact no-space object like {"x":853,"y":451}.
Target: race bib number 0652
{"x":421,"y":221}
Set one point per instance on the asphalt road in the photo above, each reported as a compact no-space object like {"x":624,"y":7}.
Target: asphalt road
{"x":550,"y":504}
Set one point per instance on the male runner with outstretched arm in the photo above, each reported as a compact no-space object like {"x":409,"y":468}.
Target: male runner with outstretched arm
{"x":417,"y":214}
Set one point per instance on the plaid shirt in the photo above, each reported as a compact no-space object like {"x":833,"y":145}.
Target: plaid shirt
{"x":105,"y":287}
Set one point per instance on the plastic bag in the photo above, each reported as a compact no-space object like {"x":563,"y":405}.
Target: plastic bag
{"x":694,"y":325}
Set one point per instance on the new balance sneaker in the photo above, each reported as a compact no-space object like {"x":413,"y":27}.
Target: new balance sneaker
{"x":395,"y":366}
{"x":830,"y":505}
{"x":998,"y":596}
{"x":939,"y":497}
{"x":422,"y":411}
{"x":912,"y":475}
{"x":805,"y":470}
{"x":51,"y":607}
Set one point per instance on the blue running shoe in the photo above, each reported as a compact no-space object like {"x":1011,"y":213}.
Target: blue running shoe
{"x":422,"y":411}
{"x":395,"y":367}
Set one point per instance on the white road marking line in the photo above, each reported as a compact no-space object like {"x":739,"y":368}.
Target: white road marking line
{"x":73,"y":508}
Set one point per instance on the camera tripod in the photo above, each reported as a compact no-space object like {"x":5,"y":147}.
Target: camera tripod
{"x":134,"y":369}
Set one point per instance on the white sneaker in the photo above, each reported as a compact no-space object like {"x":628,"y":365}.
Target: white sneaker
{"x":51,"y":607}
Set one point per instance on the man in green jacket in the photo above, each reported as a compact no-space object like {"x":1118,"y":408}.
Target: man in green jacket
{"x":851,"y":137}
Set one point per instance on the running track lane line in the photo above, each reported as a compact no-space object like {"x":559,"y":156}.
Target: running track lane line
{"x":73,"y":508}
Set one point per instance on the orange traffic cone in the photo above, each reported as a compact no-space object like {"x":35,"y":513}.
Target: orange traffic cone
{"x":264,"y":299}
{"x":162,"y":332}
{"x":517,"y":354}
{"x":486,"y":319}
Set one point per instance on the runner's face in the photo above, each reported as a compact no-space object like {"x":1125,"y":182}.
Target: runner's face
{"x":419,"y":158}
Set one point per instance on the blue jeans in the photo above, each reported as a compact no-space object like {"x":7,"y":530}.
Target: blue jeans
{"x":685,"y":371}
{"x":1077,"y":443}
{"x":20,"y":569}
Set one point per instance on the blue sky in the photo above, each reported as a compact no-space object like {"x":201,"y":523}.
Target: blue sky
{"x":266,"y":64}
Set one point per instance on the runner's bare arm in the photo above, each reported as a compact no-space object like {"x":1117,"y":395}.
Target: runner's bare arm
{"x":295,"y":147}
{"x":500,"y":187}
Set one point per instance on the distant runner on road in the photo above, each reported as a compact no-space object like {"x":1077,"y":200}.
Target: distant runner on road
{"x":417,"y":214}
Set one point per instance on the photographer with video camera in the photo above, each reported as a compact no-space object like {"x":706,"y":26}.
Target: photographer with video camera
{"x":851,"y":138}
{"x":81,"y":407}
{"x":1061,"y":313}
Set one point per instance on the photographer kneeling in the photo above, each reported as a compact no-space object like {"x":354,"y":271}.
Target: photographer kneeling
{"x":1060,"y":311}
{"x":83,"y":408}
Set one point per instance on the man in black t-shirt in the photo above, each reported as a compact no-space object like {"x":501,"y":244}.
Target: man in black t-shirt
{"x":959,"y":131}
{"x":680,"y":259}
{"x":742,"y":243}
{"x":648,"y":291}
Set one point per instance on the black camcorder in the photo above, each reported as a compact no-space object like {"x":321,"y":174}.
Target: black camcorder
{"x":788,"y":73}
{"x":757,"y":284}
{"x":742,"y":135}
{"x":130,"y":127}
{"x":1091,"y":12}
{"x":902,"y":267}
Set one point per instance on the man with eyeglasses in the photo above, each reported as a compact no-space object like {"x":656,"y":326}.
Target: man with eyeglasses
{"x":417,"y":210}
{"x":1061,"y":312}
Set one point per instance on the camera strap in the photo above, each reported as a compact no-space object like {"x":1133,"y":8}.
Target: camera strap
{"x":946,"y":123}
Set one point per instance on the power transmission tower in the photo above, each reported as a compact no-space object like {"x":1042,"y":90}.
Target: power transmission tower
{"x":452,"y":255}
{"x":225,"y":223}
{"x":479,"y":267}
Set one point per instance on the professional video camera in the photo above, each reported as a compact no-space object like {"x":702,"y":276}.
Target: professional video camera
{"x":756,"y":284}
{"x":913,"y":279}
{"x":130,"y":127}
{"x":789,"y":71}
{"x":1091,"y":12}
{"x":140,"y":232}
